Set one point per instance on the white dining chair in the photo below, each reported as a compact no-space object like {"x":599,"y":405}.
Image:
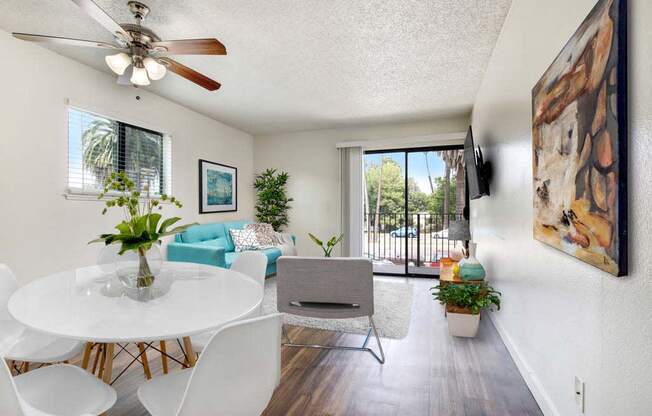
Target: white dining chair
{"x":236,"y":374}
{"x":20,"y":344}
{"x":59,"y":389}
{"x":252,"y":264}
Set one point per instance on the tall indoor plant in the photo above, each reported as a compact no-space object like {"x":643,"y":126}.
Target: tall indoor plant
{"x":142,"y":227}
{"x":464,"y":302}
{"x":272,"y":204}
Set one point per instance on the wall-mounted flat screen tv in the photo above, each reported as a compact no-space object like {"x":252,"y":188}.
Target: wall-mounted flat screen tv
{"x":475,"y":170}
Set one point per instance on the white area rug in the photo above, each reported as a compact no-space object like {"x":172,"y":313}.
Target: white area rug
{"x":393,"y":310}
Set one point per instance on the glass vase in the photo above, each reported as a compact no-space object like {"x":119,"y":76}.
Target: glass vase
{"x":470,"y":268}
{"x":138,"y":269}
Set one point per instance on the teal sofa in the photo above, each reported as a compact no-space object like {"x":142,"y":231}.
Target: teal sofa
{"x":212,"y":244}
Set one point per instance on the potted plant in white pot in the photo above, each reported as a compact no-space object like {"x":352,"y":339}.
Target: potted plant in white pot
{"x":464,"y":302}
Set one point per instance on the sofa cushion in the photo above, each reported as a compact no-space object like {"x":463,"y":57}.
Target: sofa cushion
{"x":203,"y":232}
{"x":244,"y":240}
{"x":265,"y":234}
{"x":218,"y":242}
{"x":271,"y":253}
{"x":236,"y":225}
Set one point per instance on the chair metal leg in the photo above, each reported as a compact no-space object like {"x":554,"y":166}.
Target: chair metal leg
{"x":380,"y":346}
{"x":372,"y":328}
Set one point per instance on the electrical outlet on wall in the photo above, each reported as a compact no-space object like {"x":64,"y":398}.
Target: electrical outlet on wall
{"x":579,"y":393}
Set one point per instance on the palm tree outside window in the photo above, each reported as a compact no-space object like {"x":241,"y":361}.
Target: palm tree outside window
{"x":99,"y":145}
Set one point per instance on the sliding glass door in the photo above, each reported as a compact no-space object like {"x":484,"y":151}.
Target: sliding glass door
{"x":411,"y":195}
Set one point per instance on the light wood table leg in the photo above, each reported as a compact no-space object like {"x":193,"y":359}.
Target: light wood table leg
{"x":97,"y":357}
{"x":190,"y":354}
{"x":87,"y":355}
{"x":143,"y":358}
{"x":164,"y":358}
{"x":108,"y":363}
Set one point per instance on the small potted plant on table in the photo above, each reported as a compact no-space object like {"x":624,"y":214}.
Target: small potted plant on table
{"x":464,"y":302}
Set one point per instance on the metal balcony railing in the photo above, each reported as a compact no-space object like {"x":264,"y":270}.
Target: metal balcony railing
{"x":420,"y":239}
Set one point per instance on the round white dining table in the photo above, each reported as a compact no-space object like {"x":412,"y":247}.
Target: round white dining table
{"x":90,"y":304}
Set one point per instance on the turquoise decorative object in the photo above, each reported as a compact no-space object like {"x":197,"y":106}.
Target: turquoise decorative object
{"x":470,"y":268}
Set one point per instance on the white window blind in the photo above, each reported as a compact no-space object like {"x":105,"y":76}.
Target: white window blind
{"x":98,"y":145}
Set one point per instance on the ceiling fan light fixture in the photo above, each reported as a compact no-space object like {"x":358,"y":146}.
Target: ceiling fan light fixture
{"x":134,"y":44}
{"x":154,"y":69}
{"x":118,"y":62}
{"x":139,"y":76}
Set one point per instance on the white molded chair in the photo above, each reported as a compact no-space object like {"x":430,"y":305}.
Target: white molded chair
{"x":19,"y":343}
{"x":235,"y":375}
{"x":58,"y":389}
{"x":252,"y":264}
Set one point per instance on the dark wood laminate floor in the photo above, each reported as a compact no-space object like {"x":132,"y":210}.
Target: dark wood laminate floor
{"x":426,"y":373}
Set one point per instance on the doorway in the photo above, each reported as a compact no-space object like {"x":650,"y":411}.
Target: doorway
{"x":411,"y":196}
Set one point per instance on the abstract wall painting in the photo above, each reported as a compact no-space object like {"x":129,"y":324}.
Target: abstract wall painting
{"x":218,"y":187}
{"x":579,"y":143}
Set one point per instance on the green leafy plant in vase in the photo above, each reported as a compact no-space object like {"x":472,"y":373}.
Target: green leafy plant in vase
{"x":330,"y":244}
{"x":142,"y":227}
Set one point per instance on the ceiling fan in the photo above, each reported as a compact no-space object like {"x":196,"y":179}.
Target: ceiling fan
{"x":140,"y":47}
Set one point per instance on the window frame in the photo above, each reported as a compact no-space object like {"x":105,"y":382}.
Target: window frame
{"x":166,"y":169}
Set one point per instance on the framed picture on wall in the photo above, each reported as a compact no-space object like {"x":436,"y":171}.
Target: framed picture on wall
{"x":579,"y":132}
{"x":218,"y":187}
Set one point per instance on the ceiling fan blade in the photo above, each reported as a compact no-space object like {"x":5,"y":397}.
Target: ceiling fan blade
{"x":94,"y":11}
{"x":55,"y":40}
{"x":190,"y":74}
{"x":192,"y":47}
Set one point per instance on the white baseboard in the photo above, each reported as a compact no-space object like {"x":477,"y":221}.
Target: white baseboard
{"x":534,"y":384}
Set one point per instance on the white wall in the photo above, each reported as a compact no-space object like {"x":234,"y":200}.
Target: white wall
{"x":311,"y":159}
{"x":40,"y":231}
{"x":562,"y":317}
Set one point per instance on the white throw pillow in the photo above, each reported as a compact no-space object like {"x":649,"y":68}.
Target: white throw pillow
{"x":244,"y":240}
{"x":265,"y":234}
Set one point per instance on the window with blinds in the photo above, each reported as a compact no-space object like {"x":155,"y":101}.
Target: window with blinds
{"x":98,"y":145}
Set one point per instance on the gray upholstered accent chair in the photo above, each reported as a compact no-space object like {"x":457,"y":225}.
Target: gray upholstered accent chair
{"x":327,"y":288}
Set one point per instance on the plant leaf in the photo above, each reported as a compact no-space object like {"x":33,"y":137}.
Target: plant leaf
{"x":316,"y":240}
{"x":166,"y":223}
{"x":153,"y":222}
{"x":123,"y":227}
{"x":177,"y":230}
{"x":140,"y":225}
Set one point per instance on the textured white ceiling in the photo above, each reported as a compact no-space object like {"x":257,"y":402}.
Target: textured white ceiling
{"x":304,"y":64}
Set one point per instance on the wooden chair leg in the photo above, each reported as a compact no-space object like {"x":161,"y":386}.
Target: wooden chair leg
{"x":87,"y":355}
{"x":108,"y":363}
{"x":97,"y":357}
{"x":100,"y":373}
{"x":143,"y":358}
{"x":25,"y":367}
{"x":164,"y":358}
{"x":190,"y":354}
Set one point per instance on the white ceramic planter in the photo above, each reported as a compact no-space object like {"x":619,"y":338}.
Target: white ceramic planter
{"x":463,"y":324}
